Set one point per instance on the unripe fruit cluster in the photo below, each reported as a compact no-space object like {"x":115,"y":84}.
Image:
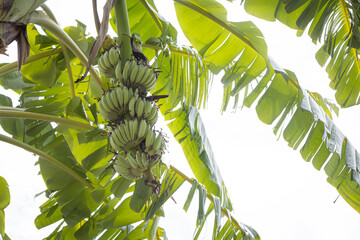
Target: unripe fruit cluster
{"x":131,"y":115}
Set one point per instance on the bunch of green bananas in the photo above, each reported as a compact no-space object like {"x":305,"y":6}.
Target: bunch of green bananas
{"x":132,"y":116}
{"x":133,"y":167}
{"x":115,"y":103}
{"x":107,"y":62}
{"x":138,"y":76}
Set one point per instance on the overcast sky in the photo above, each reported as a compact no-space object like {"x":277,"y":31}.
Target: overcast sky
{"x":272,"y":189}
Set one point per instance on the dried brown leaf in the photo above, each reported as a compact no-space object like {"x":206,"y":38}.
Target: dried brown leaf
{"x":10,"y":32}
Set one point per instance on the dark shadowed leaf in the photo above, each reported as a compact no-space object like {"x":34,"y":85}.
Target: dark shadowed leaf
{"x":141,"y":195}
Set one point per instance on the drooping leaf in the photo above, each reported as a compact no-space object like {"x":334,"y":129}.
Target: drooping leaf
{"x":116,"y":219}
{"x":50,"y":213}
{"x":217,"y":211}
{"x":78,"y":208}
{"x":153,"y":229}
{"x":200,"y":228}
{"x":54,"y":177}
{"x":335,"y":24}
{"x":170,"y":184}
{"x":91,"y":154}
{"x":141,"y":195}
{"x":190,"y":195}
{"x":201,"y":210}
{"x":120,"y":186}
{"x":188,"y":130}
{"x":238,"y":47}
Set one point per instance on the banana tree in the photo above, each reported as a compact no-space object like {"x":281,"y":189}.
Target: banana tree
{"x":91,"y":193}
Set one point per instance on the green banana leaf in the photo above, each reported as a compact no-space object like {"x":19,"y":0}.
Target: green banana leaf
{"x":278,"y":100}
{"x":4,"y":202}
{"x":335,"y":24}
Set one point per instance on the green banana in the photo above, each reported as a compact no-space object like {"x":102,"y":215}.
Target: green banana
{"x":147,"y":108}
{"x":158,"y":143}
{"x":141,"y":73}
{"x":127,"y":95}
{"x":114,"y":57}
{"x":120,"y":97}
{"x":105,"y":104}
{"x":139,"y":108}
{"x":118,"y":73}
{"x":126,"y":72}
{"x":125,"y":131}
{"x":145,"y":160}
{"x":121,"y":136}
{"x":132,"y":161}
{"x":118,"y":139}
{"x":114,"y":145}
{"x":124,"y":169}
{"x":106,"y":61}
{"x":139,"y":161}
{"x":132,"y":129}
{"x":149,"y":140}
{"x":133,"y":75}
{"x":143,"y":128}
{"x":136,"y":129}
{"x":152,"y":118}
{"x":132,"y":107}
{"x":109,"y":100}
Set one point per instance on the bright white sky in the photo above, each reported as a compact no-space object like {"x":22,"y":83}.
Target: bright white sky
{"x":272,"y":189}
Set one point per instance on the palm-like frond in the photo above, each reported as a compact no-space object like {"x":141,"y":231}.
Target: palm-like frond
{"x":336,"y":24}
{"x":304,"y":116}
{"x":236,"y":46}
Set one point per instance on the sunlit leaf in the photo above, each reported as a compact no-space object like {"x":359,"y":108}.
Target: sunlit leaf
{"x":4,"y":193}
{"x":116,"y":219}
{"x":335,"y":24}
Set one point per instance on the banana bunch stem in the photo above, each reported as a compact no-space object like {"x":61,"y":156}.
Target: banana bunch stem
{"x":123,"y":29}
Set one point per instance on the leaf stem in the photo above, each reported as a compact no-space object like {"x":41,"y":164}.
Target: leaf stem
{"x":223,"y":210}
{"x":47,"y":157}
{"x":20,"y":113}
{"x":48,"y":11}
{"x":45,"y":22}
{"x":123,"y":30}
